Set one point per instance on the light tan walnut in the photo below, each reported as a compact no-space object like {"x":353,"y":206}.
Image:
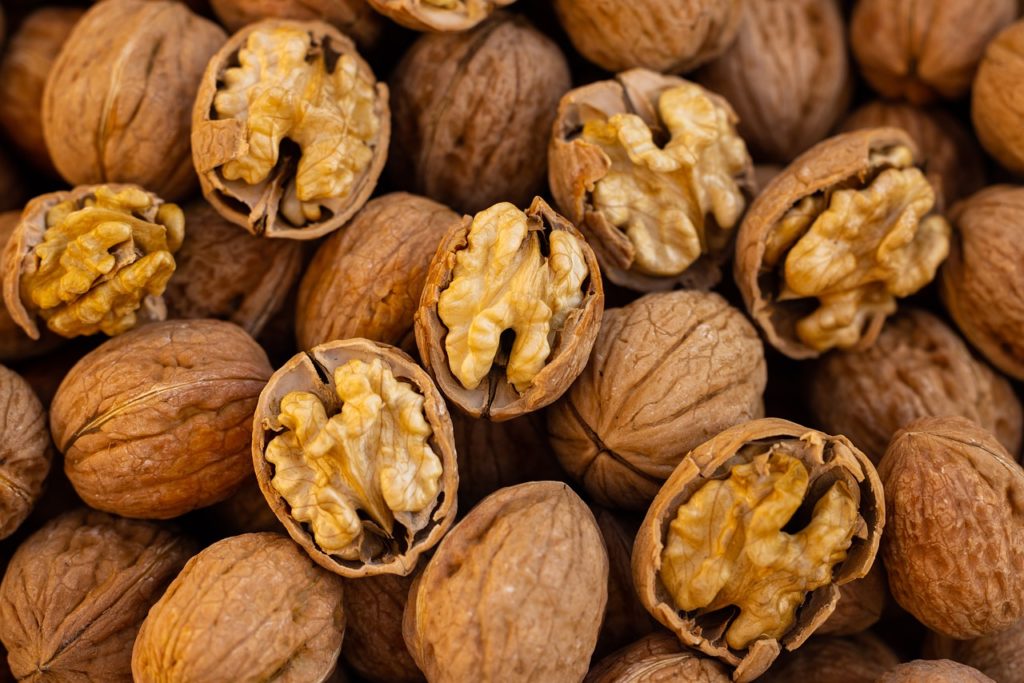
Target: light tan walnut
{"x":354,"y":18}
{"x":438,"y":15}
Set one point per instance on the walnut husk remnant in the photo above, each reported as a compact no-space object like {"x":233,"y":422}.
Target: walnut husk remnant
{"x":998,"y":656}
{"x":438,"y":15}
{"x":354,"y":18}
{"x":374,"y":647}
{"x":25,"y":451}
{"x":857,"y":659}
{"x":653,"y":658}
{"x":933,"y":671}
{"x":997,"y":116}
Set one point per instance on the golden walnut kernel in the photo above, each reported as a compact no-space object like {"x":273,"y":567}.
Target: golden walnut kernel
{"x":834,"y":240}
{"x":290,"y":129}
{"x":354,"y":18}
{"x":996,"y":111}
{"x":353,"y":450}
{"x":95,"y":259}
{"x":657,"y":211}
{"x":438,"y":15}
{"x":25,"y":450}
{"x":858,"y":659}
{"x":933,"y":671}
{"x":744,"y":547}
{"x":511,"y":307}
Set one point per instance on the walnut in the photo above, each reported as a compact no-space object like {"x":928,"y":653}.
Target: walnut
{"x":750,"y":488}
{"x":657,"y":214}
{"x":858,"y":659}
{"x":832,"y":242}
{"x":353,"y":450}
{"x":657,"y":657}
{"x":998,"y":117}
{"x":922,"y":51}
{"x":373,"y":647}
{"x":438,"y":15}
{"x":667,"y":372}
{"x":25,"y":455}
{"x":366,"y":280}
{"x":354,"y":18}
{"x":245,"y":511}
{"x":917,"y":367}
{"x":860,"y":605}
{"x":248,"y":608}
{"x":116,"y":103}
{"x":77,"y":591}
{"x":290,"y":129}
{"x":528,"y":287}
{"x":14,"y":343}
{"x":157,"y":422}
{"x":93,"y":259}
{"x":787,"y":74}
{"x":998,"y":656}
{"x":954,"y":495}
{"x":472,"y":113}
{"x":937,"y":671}
{"x":515,"y":592}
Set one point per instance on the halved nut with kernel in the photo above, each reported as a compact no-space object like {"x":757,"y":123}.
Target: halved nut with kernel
{"x":438,"y":15}
{"x":835,"y":239}
{"x":354,"y":451}
{"x":742,"y":552}
{"x":511,"y":308}
{"x":653,"y":171}
{"x":94,"y":259}
{"x":290,"y":129}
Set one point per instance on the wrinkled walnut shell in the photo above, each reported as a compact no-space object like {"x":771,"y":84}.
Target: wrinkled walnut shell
{"x":998,"y":656}
{"x":654,"y":658}
{"x":354,"y":18}
{"x":997,"y":116}
{"x":26,"y":452}
{"x":933,"y":671}
{"x":420,"y":15}
{"x":373,"y":646}
{"x":858,"y":659}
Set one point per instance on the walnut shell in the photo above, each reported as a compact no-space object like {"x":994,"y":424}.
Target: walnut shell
{"x":857,"y":659}
{"x":77,"y":591}
{"x":667,"y":372}
{"x":373,"y":647}
{"x":354,"y":18}
{"x":515,"y":592}
{"x":998,"y":656}
{"x":918,"y":367}
{"x":860,"y":606}
{"x":116,"y":107}
{"x":14,"y":343}
{"x":472,"y":111}
{"x":366,"y":280}
{"x":653,"y":658}
{"x":156,"y":422}
{"x":251,"y":608}
{"x":435,"y":15}
{"x":997,"y":117}
{"x":933,"y":671}
{"x":26,"y":452}
{"x":954,"y":495}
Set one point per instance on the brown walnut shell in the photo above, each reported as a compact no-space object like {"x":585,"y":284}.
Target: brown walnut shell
{"x":515,"y":592}
{"x":861,"y":604}
{"x":995,"y":110}
{"x":667,"y":372}
{"x":857,"y":659}
{"x":248,"y":608}
{"x":25,"y":453}
{"x":373,"y":647}
{"x":156,"y":422}
{"x":14,"y":343}
{"x":657,"y":658}
{"x":354,"y":18}
{"x":999,"y":656}
{"x":431,"y":15}
{"x":933,"y":671}
{"x":77,"y":591}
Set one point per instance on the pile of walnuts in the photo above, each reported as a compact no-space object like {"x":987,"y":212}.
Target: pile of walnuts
{"x":603,"y":341}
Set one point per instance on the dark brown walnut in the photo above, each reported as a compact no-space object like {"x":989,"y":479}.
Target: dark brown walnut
{"x":515,"y":592}
{"x":226,"y":273}
{"x":297,"y":165}
{"x":76,"y":592}
{"x":657,"y":658}
{"x":918,"y":367}
{"x":998,"y":656}
{"x":811,"y":504}
{"x":954,"y":545}
{"x":472,"y":112}
{"x":248,"y":608}
{"x":116,"y":107}
{"x":857,"y":659}
{"x":354,"y":452}
{"x":663,"y":35}
{"x":244,"y":512}
{"x":366,"y":280}
{"x":5,"y":671}
{"x":354,"y":18}
{"x":529,"y":287}
{"x":373,"y":647}
{"x":860,"y":605}
{"x":787,"y":75}
{"x":998,"y":116}
{"x":923,"y":51}
{"x":15,"y":345}
{"x":157,"y":422}
{"x":653,"y":171}
{"x":835,"y":240}
{"x":933,"y":671}
{"x":25,"y":451}
{"x":438,"y":15}
{"x":667,"y":372}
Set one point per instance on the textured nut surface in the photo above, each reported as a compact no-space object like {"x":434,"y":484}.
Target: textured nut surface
{"x":300,"y":81}
{"x":667,"y":372}
{"x":14,"y":343}
{"x":438,"y":15}
{"x":248,"y":608}
{"x":25,"y":451}
{"x":934,"y":671}
{"x":860,"y":606}
{"x":156,"y":422}
{"x":996,"y":109}
{"x":954,"y":547}
{"x":657,"y":658}
{"x":515,"y":592}
{"x":373,"y":645}
{"x":998,"y":656}
{"x":858,"y":659}
{"x":76,"y":592}
{"x":354,"y":18}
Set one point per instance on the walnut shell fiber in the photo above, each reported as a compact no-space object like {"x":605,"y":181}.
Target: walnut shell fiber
{"x":15,"y":345}
{"x":25,"y":450}
{"x":373,"y":646}
{"x":354,"y":18}
{"x":656,"y":658}
{"x":247,"y":608}
{"x":998,"y":656}
{"x":996,"y":110}
{"x":934,"y":671}
{"x":856,"y":659}
{"x":420,"y":15}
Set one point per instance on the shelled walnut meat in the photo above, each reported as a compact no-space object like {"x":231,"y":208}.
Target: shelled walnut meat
{"x":653,"y":171}
{"x":438,"y":15}
{"x":290,"y":129}
{"x":355,"y":18}
{"x":996,"y":114}
{"x":353,"y":450}
{"x":834,"y":240}
{"x":25,"y":451}
{"x":373,"y":646}
{"x":510,"y":310}
{"x":742,"y":551}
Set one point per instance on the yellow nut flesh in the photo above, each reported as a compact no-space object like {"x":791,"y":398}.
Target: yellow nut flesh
{"x":726,"y":546}
{"x":282,"y":89}
{"x":372,"y":456}
{"x":99,"y":260}
{"x":501,"y":282}
{"x":662,"y":197}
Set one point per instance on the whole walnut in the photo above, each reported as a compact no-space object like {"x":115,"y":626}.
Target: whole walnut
{"x":248,"y":608}
{"x":860,"y":605}
{"x":77,"y":591}
{"x":118,"y":99}
{"x":157,"y":421}
{"x":671,"y":36}
{"x":917,"y":367}
{"x":15,"y":345}
{"x":954,"y":544}
{"x":438,"y":15}
{"x":354,"y":18}
{"x":856,"y":659}
{"x":653,"y":658}
{"x":472,"y":112}
{"x":923,"y":51}
{"x":999,"y":656}
{"x":373,"y":646}
{"x":25,"y":451}
{"x":933,"y":671}
{"x":997,"y":116}
{"x":667,"y":372}
{"x":787,"y":75}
